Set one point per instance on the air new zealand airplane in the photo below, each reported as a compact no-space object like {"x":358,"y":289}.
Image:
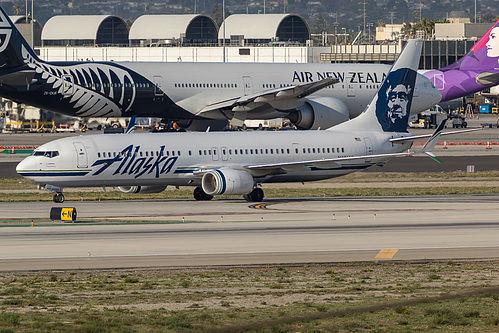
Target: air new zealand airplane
{"x":311,"y":95}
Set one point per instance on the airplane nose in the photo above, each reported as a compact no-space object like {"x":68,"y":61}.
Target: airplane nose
{"x":24,"y":166}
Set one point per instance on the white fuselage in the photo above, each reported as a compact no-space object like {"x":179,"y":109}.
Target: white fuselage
{"x":193,"y":86}
{"x":181,"y":158}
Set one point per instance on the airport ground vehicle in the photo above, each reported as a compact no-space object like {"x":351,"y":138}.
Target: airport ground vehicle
{"x":429,"y":119}
{"x":458,"y":120}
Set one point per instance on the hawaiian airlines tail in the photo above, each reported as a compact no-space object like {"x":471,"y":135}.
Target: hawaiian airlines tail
{"x":477,"y":70}
{"x":390,"y":108}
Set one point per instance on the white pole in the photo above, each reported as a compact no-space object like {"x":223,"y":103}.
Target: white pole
{"x":32,"y":27}
{"x":223,"y":22}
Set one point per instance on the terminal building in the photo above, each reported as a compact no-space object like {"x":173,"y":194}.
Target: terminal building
{"x":173,"y":30}
{"x":86,"y":31}
{"x":264,"y":30}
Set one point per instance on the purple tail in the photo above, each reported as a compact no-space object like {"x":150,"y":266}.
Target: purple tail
{"x":476,"y":71}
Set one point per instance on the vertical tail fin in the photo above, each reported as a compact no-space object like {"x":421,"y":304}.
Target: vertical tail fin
{"x":484,"y":55}
{"x":13,"y":47}
{"x":390,"y":108}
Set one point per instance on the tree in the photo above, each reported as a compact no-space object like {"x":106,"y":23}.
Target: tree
{"x":381,"y":23}
{"x":425,"y":26}
{"x":17,"y":9}
{"x":216,"y":14}
{"x":406,"y":29}
{"x":321,"y":25}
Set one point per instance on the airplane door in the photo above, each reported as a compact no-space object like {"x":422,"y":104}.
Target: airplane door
{"x":438,"y":81}
{"x":369,"y":146}
{"x":225,"y":154}
{"x":351,"y":90}
{"x":158,"y":85}
{"x":81,"y":155}
{"x":67,"y":83}
{"x":248,"y":85}
{"x":214,"y":153}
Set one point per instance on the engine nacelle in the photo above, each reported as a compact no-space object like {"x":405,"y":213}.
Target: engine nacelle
{"x":141,"y":189}
{"x":201,"y":125}
{"x":322,"y":112}
{"x":227,"y":181}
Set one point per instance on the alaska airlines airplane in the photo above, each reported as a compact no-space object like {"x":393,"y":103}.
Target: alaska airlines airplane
{"x":312,"y":96}
{"x":236,"y":162}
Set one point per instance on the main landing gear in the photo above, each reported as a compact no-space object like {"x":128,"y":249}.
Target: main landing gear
{"x":255,"y":196}
{"x":200,"y":195}
{"x":58,"y":197}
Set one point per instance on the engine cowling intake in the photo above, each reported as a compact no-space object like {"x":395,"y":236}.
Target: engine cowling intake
{"x":141,"y":189}
{"x":319,"y":112}
{"x":227,"y":181}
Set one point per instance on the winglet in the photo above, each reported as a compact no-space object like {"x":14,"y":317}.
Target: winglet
{"x":432,"y":141}
{"x":131,"y":125}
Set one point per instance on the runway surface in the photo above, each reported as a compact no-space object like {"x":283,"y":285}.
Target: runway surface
{"x":234,"y":232}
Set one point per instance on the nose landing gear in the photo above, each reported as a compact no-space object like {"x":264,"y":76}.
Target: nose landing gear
{"x":58,"y":197}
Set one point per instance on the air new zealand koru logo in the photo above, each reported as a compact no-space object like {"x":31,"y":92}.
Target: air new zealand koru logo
{"x":394,"y":100}
{"x":5,"y":32}
{"x":130,"y":163}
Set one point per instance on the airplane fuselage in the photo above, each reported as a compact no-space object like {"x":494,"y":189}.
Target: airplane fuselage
{"x":184,"y":90}
{"x":181,"y":158}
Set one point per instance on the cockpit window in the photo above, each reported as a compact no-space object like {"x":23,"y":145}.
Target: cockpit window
{"x":48,"y":154}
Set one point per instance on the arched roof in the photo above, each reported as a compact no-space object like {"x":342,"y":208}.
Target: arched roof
{"x":266,"y":26}
{"x":19,"y":18}
{"x":170,"y":26}
{"x":79,"y":27}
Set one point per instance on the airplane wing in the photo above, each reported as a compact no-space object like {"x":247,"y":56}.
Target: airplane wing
{"x":269,"y":96}
{"x":415,"y":137}
{"x":329,"y":163}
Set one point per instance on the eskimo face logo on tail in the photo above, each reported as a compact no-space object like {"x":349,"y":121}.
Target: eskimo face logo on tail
{"x":5,"y":32}
{"x":394,"y":100}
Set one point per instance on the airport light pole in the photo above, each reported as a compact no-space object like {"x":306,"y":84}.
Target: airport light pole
{"x":223,"y":22}
{"x":32,"y":26}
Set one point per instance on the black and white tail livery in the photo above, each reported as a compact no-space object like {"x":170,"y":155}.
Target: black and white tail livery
{"x":13,"y":47}
{"x":390,"y":108}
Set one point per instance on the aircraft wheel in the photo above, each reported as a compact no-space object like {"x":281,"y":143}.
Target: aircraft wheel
{"x":255,"y":196}
{"x":58,"y":198}
{"x":200,"y":195}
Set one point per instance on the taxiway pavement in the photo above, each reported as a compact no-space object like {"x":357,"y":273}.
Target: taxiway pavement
{"x":234,"y":232}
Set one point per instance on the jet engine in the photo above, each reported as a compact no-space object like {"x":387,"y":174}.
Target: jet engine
{"x":201,"y":125}
{"x":322,"y":112}
{"x":227,"y":181}
{"x":141,"y":189}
